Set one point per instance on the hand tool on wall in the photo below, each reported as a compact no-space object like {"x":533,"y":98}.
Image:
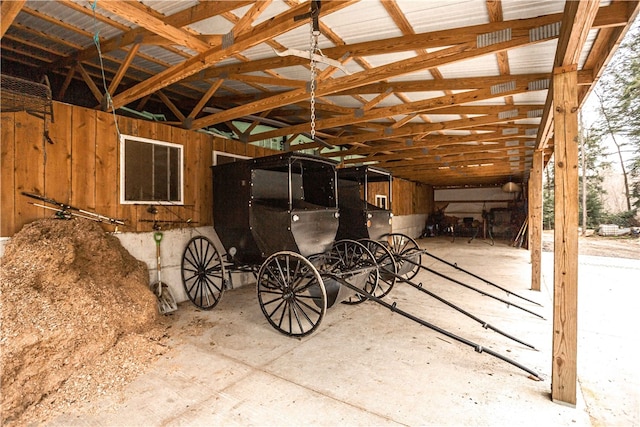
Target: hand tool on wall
{"x":66,"y":211}
{"x":166,"y":301}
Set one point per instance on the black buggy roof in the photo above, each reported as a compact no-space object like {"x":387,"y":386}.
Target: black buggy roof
{"x":357,"y":173}
{"x":283,"y":159}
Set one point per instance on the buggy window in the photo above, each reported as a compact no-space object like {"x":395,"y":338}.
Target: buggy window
{"x":269,"y":184}
{"x":318,"y":181}
{"x":308,"y":181}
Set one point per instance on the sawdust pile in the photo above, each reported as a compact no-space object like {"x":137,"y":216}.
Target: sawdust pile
{"x":78,"y":318}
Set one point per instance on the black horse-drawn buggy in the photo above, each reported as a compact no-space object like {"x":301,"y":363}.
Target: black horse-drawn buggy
{"x":308,"y":233}
{"x":277,"y":217}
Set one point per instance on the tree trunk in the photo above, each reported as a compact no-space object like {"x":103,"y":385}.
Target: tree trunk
{"x":618,"y":148}
{"x":584,"y":178}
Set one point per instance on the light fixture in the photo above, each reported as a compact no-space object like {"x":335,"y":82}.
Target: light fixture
{"x":511,"y":187}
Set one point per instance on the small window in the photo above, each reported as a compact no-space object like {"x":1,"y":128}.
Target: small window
{"x":381,"y":201}
{"x":220,"y":158}
{"x":150,"y":171}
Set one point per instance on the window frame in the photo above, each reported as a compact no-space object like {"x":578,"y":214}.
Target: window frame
{"x":215,"y":154}
{"x":381,"y":201}
{"x":123,"y":164}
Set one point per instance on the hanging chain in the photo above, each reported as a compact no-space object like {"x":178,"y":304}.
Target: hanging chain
{"x":312,"y":84}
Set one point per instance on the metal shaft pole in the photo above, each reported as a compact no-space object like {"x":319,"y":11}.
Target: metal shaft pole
{"x":393,"y":307}
{"x":479,"y":278}
{"x":444,"y":276}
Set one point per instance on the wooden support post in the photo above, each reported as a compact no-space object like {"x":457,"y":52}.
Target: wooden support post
{"x":565,"y":279}
{"x":535,"y":219}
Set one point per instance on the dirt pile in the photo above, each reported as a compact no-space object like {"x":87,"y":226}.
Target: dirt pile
{"x":77,"y":316}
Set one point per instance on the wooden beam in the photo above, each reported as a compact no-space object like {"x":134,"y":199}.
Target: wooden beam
{"x":494,"y":7}
{"x":8,"y":12}
{"x":577,"y":20}
{"x":431,"y":105}
{"x":134,"y":12}
{"x":197,"y":13}
{"x":124,"y":66}
{"x":67,"y":82}
{"x":265,"y":31}
{"x":205,"y":98}
{"x":406,"y":119}
{"x":274,"y":81}
{"x":469,"y":173}
{"x":249,"y":17}
{"x":495,"y":133}
{"x":378,"y":99}
{"x":535,"y":219}
{"x":143,"y":102}
{"x":607,"y":40}
{"x":617,"y":14}
{"x":89,"y":11}
{"x":252,"y":126}
{"x":420,"y":160}
{"x":415,"y":129}
{"x":585,"y":78}
{"x":174,"y":109}
{"x":89,"y":81}
{"x":328,"y":87}
{"x":56,"y":22}
{"x":405,"y":26}
{"x":565,"y":278}
{"x":435,"y":39}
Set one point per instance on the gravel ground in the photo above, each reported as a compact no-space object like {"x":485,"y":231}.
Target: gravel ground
{"x":613,"y":247}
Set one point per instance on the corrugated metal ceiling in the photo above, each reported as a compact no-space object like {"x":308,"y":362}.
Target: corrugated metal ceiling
{"x":415,"y":71}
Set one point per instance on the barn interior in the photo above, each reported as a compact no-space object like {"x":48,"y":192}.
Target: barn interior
{"x":117,"y":110}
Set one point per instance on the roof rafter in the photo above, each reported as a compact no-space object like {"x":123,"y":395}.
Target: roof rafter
{"x":258,"y":34}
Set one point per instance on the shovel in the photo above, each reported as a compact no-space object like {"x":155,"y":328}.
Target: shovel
{"x":166,"y":301}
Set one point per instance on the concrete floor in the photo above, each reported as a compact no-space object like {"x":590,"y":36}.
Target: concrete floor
{"x":368,"y":366}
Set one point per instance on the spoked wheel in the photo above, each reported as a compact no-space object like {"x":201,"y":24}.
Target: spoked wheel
{"x":403,"y":247}
{"x":202,"y":272}
{"x":386,"y":264}
{"x":291,"y":294}
{"x":351,"y":256}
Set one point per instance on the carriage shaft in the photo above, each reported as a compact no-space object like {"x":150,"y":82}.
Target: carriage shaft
{"x":393,"y":307}
{"x":444,"y":276}
{"x":488,"y":282}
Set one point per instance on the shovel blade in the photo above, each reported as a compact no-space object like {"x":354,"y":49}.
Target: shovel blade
{"x":166,"y":302}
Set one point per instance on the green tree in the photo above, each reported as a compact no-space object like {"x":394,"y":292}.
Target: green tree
{"x":618,"y":93}
{"x":548,"y":199}
{"x":595,"y":207}
{"x":591,"y":156}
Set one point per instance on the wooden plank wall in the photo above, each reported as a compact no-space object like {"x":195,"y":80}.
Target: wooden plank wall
{"x":408,"y":197}
{"x":82,"y":167}
{"x":411,"y":198}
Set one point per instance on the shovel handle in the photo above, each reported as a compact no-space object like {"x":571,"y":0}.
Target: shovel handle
{"x":157,"y":236}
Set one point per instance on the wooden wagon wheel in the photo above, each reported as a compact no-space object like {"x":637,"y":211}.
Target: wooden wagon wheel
{"x":349,"y":255}
{"x":402,"y":247}
{"x":291,"y":294}
{"x":202,"y":272}
{"x":386,"y":265}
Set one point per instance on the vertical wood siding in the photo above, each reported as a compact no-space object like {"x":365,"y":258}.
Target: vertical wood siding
{"x":411,"y":198}
{"x":80,"y":165}
{"x":407,"y":198}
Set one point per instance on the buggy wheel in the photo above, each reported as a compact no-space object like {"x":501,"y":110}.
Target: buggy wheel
{"x":386,"y":264}
{"x":291,"y":294}
{"x":348,"y":256}
{"x":202,"y":273}
{"x":403,"y":247}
